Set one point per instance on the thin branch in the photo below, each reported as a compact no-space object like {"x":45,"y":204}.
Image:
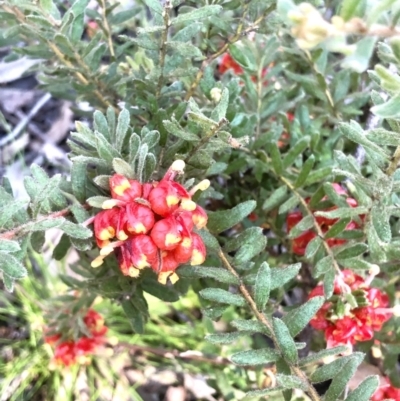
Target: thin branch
{"x":20,"y":229}
{"x":172,"y":354}
{"x":315,"y":223}
{"x":260,"y":317}
{"x":107,"y":28}
{"x":163,"y":50}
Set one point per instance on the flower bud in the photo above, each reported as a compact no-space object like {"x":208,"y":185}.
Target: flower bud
{"x":124,"y":189}
{"x":199,"y":250}
{"x":183,"y":252}
{"x":165,"y":234}
{"x":199,"y":217}
{"x":105,"y":225}
{"x":165,"y":197}
{"x":216,"y":94}
{"x":144,"y":252}
{"x":140,"y":218}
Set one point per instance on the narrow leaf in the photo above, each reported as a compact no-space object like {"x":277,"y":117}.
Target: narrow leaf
{"x":221,"y":296}
{"x":262,"y":287}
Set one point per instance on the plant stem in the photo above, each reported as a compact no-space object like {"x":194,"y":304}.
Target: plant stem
{"x":8,"y":235}
{"x":107,"y":29}
{"x":163,"y":50}
{"x":394,"y":162}
{"x":261,"y":317}
{"x":315,"y":223}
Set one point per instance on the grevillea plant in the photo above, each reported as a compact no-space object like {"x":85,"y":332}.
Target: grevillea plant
{"x":247,"y":150}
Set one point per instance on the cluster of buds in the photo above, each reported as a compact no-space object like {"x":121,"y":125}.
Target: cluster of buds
{"x":355,"y":310}
{"x":69,"y":352}
{"x":386,"y":391}
{"x":151,"y":225}
{"x":300,"y":243}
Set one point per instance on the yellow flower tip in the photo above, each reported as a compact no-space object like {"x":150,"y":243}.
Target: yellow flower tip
{"x":163,"y":277}
{"x":106,"y":233}
{"x":173,"y":278}
{"x":142,"y":263}
{"x":178,"y":166}
{"x":374,"y":270}
{"x":203,"y":185}
{"x":133,"y":272}
{"x":188,"y":205}
{"x":197,"y":258}
{"x":106,"y":250}
{"x":187,"y":242}
{"x":109,"y":204}
{"x":172,"y":200}
{"x":139,"y":228}
{"x":113,"y":340}
{"x":122,"y":236}
{"x":122,"y":187}
{"x":172,"y":239}
{"x":97,"y":262}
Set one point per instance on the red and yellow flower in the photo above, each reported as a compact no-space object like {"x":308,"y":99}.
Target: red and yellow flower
{"x":151,"y":225}
{"x":354,"y":312}
{"x":68,"y":352}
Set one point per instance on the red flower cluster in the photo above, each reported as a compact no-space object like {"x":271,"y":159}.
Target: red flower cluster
{"x":386,"y":391}
{"x":152,"y":224}
{"x":300,"y":243}
{"x":69,"y":352}
{"x":228,"y":63}
{"x":354,"y":312}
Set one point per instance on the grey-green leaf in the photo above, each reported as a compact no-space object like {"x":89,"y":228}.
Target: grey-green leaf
{"x":263,"y":286}
{"x":298,"y":318}
{"x":221,"y":221}
{"x":255,"y":357}
{"x":286,"y":343}
{"x":221,"y":296}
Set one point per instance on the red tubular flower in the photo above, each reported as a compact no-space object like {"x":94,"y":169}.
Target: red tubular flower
{"x":150,"y":225}
{"x":144,"y":252}
{"x":95,"y":323}
{"x":183,"y":252}
{"x":341,"y":333}
{"x":345,"y":322}
{"x":53,"y":339}
{"x":199,"y":250}
{"x":105,"y":226}
{"x":227,"y":62}
{"x":166,"y":234}
{"x":386,"y":391}
{"x":64,"y":353}
{"x":123,"y":189}
{"x":199,"y":217}
{"x":140,"y":218}
{"x":166,"y":196}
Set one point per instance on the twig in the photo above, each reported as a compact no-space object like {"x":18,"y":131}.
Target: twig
{"x":25,"y":121}
{"x":315,"y":223}
{"x":107,"y":28}
{"x":163,"y":50}
{"x":260,"y":316}
{"x":17,"y":230}
{"x":172,"y":354}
